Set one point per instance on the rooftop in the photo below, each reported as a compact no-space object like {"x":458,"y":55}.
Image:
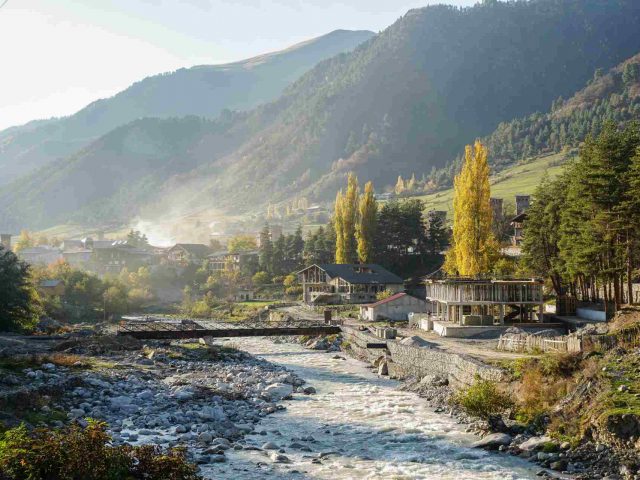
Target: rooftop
{"x":197,"y":249}
{"x":388,"y":299}
{"x":360,"y":273}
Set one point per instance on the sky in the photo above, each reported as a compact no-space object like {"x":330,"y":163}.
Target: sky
{"x":56,"y":56}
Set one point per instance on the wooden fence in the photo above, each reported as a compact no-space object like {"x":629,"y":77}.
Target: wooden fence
{"x":532,"y":343}
{"x":626,"y":338}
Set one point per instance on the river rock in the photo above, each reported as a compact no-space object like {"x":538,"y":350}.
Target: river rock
{"x":212,"y":413}
{"x":76,"y":413}
{"x":279,"y":458}
{"x":434,"y":381}
{"x":493,"y":441}
{"x":534,"y":443}
{"x":270,"y":446}
{"x":383,"y":368}
{"x":308,"y":390}
{"x":277,"y":391}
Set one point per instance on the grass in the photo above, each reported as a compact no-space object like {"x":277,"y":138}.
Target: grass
{"x":519,"y":179}
{"x":256,"y":303}
{"x":18,"y":363}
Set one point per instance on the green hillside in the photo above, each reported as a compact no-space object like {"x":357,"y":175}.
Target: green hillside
{"x":506,"y":184}
{"x":204,"y":91}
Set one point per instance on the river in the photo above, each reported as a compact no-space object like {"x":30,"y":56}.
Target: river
{"x":365,"y":426}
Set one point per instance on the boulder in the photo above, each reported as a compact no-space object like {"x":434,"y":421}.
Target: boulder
{"x":623,"y":427}
{"x":534,"y":443}
{"x":434,"y":381}
{"x":279,"y":458}
{"x":383,"y":368}
{"x":277,"y":391}
{"x":209,"y":413}
{"x":493,"y":441}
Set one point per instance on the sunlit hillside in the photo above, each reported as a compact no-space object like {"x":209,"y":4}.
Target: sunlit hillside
{"x":519,"y":179}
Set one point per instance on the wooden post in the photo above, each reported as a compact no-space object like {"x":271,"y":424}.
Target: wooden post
{"x":501,"y":313}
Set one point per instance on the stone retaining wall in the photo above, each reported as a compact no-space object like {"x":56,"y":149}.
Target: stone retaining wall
{"x":358,"y":341}
{"x":405,"y":361}
{"x":417,"y":362}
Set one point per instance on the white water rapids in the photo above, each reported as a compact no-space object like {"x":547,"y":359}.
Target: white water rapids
{"x":374,"y":430}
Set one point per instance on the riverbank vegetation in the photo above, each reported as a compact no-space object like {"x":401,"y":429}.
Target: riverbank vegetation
{"x":593,"y":395}
{"x":85,"y":453}
{"x":582,"y":230}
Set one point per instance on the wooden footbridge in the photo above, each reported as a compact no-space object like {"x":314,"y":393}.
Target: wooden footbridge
{"x":167,"y":329}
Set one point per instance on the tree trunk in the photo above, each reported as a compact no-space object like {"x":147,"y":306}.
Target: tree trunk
{"x":629,"y":271}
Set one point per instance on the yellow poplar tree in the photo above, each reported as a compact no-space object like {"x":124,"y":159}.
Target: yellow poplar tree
{"x":345,"y":219}
{"x":399,"y":185}
{"x":411,"y":183}
{"x":473,"y":247}
{"x":365,"y":231}
{"x":350,"y":218}
{"x":337,"y":225}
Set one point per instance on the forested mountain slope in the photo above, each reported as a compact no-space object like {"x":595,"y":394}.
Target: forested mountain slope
{"x":611,"y":95}
{"x":414,"y":95}
{"x":405,"y":101}
{"x":203,"y":91}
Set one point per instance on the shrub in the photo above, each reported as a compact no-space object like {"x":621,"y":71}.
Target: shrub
{"x":260,"y":278}
{"x":483,"y":399}
{"x":76,"y":453}
{"x":384,"y":294}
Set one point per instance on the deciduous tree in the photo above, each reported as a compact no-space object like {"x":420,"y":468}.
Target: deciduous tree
{"x":367,"y":221}
{"x":474,"y":246}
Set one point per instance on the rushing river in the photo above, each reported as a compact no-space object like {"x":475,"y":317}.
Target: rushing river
{"x":366,"y":428}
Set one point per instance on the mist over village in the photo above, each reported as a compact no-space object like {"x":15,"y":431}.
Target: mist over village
{"x":307,"y":240}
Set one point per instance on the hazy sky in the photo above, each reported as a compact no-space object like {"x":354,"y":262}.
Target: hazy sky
{"x":59,"y":55}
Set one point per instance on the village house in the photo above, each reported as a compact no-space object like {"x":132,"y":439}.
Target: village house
{"x":243,"y":295}
{"x":472,"y":302}
{"x":40,"y":255}
{"x":51,"y":288}
{"x":184,"y":254}
{"x":104,"y":256}
{"x":233,"y":262}
{"x":114,"y":256}
{"x":396,"y":308}
{"x":522,"y":205}
{"x":346,"y":283}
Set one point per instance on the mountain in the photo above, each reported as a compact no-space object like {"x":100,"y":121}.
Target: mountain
{"x":407,"y":100}
{"x":202,"y":91}
{"x":612,"y":95}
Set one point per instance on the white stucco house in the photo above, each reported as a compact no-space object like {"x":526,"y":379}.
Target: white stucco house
{"x":396,"y":307}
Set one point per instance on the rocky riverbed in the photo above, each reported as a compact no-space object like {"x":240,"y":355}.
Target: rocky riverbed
{"x":251,"y":415}
{"x":203,"y":398}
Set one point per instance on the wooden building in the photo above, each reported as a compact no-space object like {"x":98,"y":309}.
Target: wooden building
{"x":478,"y":302}
{"x":233,"y":262}
{"x":346,"y":283}
{"x":51,"y":288}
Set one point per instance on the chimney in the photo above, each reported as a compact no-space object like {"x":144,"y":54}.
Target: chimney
{"x":5,"y":240}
